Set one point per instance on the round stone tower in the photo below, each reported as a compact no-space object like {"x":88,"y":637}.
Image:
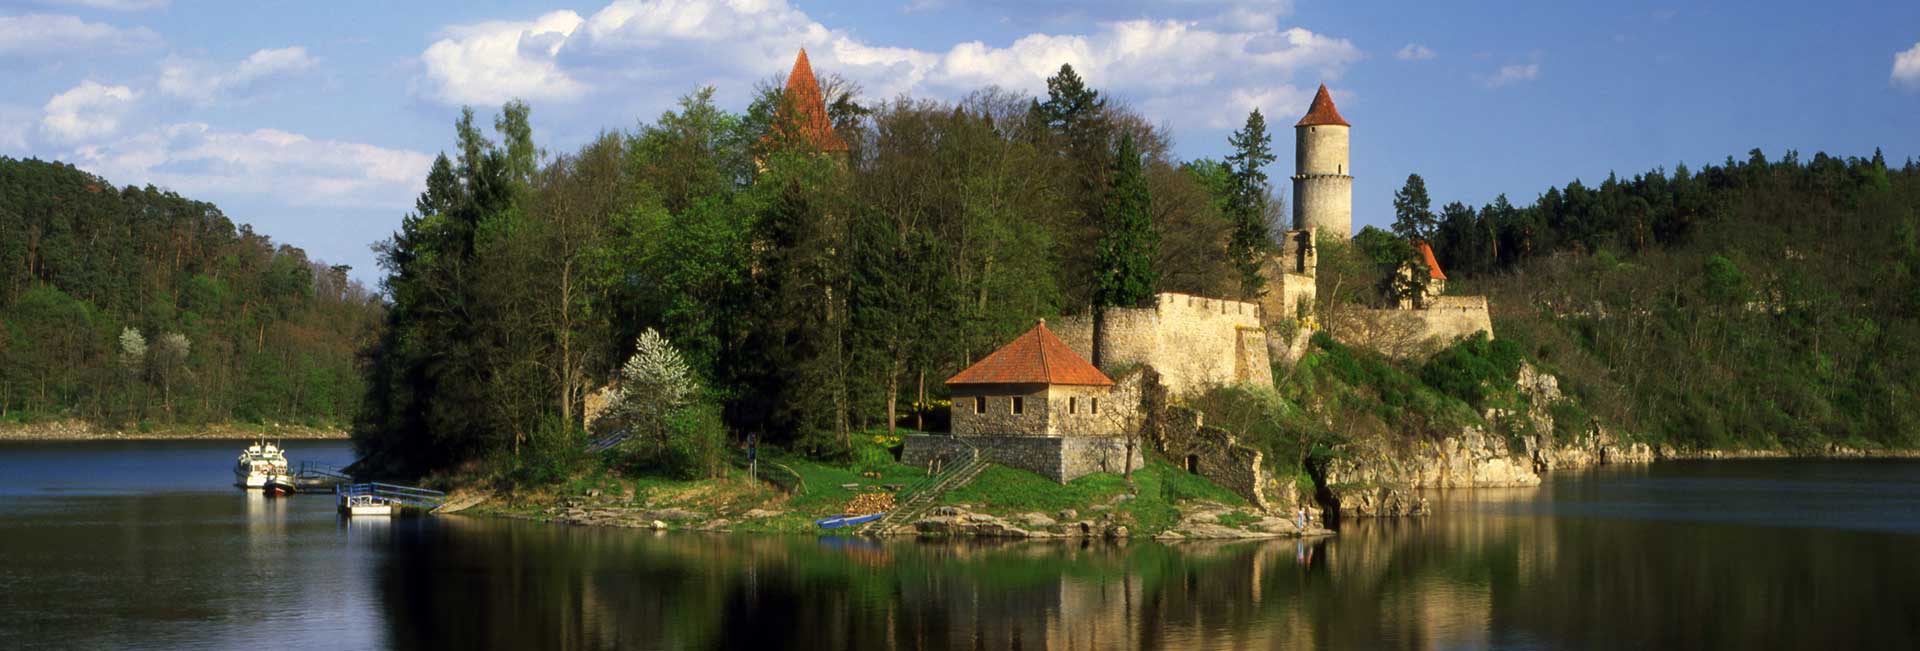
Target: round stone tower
{"x":1322,"y":180}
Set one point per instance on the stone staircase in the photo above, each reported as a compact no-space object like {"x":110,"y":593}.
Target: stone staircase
{"x":915,"y":500}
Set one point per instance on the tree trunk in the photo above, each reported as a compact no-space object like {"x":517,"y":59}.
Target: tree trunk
{"x":893,"y":399}
{"x":920,"y":404}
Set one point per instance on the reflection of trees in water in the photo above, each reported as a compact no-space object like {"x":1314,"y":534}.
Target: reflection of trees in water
{"x":1456,"y":580}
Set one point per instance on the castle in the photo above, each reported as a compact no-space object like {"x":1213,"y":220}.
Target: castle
{"x":1044,"y":403}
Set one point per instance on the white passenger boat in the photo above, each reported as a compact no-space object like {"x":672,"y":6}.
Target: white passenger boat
{"x":257,"y":463}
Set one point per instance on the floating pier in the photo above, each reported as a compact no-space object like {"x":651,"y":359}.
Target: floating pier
{"x":377,"y":499}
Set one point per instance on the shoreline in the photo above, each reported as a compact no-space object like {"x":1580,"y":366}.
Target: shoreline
{"x":1831,"y":453}
{"x":74,"y":430}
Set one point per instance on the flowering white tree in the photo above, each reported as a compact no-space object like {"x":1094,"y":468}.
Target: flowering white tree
{"x":653,"y":383}
{"x":133,"y":351}
{"x":166,"y":361}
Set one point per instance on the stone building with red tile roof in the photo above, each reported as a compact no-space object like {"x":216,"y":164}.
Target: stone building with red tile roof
{"x":1037,"y":405}
{"x":1034,"y":386}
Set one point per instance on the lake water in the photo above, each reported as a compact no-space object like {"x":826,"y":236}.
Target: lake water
{"x":130,"y":545}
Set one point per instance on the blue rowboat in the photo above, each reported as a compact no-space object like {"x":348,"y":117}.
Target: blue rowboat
{"x":839,"y":521}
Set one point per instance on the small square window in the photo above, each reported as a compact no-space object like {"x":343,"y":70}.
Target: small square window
{"x":979,"y":404}
{"x":1094,"y":408}
{"x":1019,"y":405}
{"x":1073,"y":405}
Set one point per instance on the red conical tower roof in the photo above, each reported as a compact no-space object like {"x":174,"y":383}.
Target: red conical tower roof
{"x":809,"y":107}
{"x":1433,"y":264}
{"x":1037,"y":357}
{"x":1322,"y":111}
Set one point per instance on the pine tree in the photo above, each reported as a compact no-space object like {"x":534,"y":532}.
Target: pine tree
{"x":1413,"y":217}
{"x":1124,"y":255}
{"x":1247,"y":205}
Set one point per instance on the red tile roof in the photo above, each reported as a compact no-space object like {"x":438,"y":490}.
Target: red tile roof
{"x":1322,"y":111}
{"x":1037,"y":357}
{"x":803,"y":97}
{"x":1433,"y":265}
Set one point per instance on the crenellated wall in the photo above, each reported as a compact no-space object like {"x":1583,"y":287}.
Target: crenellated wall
{"x":1416,"y":333}
{"x":1193,"y":342}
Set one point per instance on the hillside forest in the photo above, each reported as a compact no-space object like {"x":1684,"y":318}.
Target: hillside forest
{"x":136,"y":307}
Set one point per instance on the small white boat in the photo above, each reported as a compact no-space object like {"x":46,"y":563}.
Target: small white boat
{"x":257,"y":464}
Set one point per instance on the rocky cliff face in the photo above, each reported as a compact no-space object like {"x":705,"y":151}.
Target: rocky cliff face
{"x":1379,"y":478}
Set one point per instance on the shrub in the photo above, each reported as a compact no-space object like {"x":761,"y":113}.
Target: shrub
{"x":1474,"y":368}
{"x":551,"y":453}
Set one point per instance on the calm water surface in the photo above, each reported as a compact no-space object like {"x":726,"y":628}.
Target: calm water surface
{"x":145,"y":545}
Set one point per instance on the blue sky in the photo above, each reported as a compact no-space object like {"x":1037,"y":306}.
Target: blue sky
{"x":315,"y":121}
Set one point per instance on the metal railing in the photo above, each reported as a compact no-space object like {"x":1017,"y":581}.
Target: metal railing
{"x":311,"y":470}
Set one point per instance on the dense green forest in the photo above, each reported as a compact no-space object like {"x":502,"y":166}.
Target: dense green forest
{"x":1753,"y":303}
{"x":813,"y":293}
{"x":139,"y":307}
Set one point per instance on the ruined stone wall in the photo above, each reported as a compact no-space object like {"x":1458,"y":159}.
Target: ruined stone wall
{"x":1183,"y":436}
{"x":1416,"y":333}
{"x":999,"y":418}
{"x":1192,"y":341}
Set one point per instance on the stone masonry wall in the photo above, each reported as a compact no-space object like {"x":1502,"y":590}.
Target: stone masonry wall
{"x":1193,"y":342}
{"x":1184,"y":437}
{"x":1076,"y":331}
{"x":1074,"y":413}
{"x":1416,"y":333}
{"x":999,"y":418}
{"x":1059,"y":459}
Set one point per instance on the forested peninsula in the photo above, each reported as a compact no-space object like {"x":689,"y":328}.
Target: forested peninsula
{"x":625,"y":316}
{"x":138,"y":311}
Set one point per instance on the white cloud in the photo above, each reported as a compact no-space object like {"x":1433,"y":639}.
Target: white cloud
{"x":197,"y":160}
{"x":110,"y":5}
{"x":203,"y":83}
{"x":1512,"y":74}
{"x":643,"y":44}
{"x":89,"y":110}
{"x":1906,"y":68}
{"x":1414,"y":52}
{"x":34,"y":35}
{"x":492,"y":62}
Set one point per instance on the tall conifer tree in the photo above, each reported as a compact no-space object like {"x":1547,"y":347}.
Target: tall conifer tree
{"x":1124,"y":256}
{"x":1247,"y":205}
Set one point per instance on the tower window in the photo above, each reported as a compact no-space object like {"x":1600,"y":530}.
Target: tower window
{"x":1019,"y":405}
{"x":979,"y":404}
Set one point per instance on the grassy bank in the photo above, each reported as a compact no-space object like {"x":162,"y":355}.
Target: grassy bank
{"x":793,"y":491}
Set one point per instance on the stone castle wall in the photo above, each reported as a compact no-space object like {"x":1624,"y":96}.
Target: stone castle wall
{"x":1416,"y":333}
{"x":1076,"y":331}
{"x":1192,"y":342}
